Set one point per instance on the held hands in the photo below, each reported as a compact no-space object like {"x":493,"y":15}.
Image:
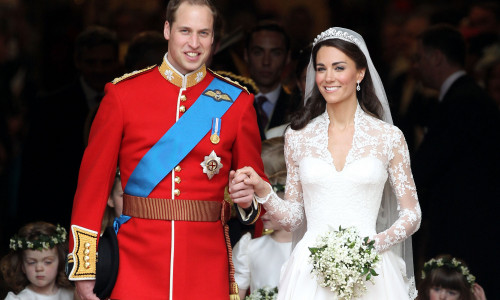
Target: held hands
{"x":85,"y":289}
{"x":244,"y":183}
{"x":240,"y":192}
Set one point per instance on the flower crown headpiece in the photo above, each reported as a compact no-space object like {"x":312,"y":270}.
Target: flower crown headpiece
{"x":42,"y":242}
{"x":333,"y":33}
{"x":452,"y":263}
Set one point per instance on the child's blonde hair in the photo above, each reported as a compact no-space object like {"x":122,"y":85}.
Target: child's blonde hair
{"x":273,"y":156}
{"x":11,"y":264}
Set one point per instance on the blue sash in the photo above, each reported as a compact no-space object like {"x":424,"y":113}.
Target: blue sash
{"x":181,"y":138}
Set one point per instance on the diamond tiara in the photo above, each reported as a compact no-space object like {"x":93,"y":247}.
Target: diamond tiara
{"x":333,"y":33}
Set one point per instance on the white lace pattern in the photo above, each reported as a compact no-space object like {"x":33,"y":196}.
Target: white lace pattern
{"x":351,"y":196}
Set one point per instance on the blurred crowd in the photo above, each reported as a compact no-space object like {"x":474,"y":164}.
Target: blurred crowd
{"x":57,"y":56}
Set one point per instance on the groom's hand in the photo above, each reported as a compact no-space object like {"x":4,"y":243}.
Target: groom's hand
{"x":240,"y":192}
{"x":85,"y":289}
{"x":250,"y":177}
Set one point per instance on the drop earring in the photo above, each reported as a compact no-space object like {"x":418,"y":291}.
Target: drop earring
{"x":358,"y":88}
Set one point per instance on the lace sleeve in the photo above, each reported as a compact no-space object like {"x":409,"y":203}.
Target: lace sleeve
{"x":403,"y":185}
{"x":290,"y":211}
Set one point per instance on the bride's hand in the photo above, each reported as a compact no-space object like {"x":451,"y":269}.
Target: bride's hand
{"x":249,"y":177}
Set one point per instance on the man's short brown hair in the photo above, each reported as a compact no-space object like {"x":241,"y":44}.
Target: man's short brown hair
{"x":173,"y":6}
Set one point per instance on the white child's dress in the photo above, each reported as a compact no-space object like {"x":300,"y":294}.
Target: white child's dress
{"x":27,"y":294}
{"x":317,"y":191}
{"x":258,"y":262}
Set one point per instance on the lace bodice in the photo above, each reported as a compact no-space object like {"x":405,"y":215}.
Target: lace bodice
{"x":316,"y":190}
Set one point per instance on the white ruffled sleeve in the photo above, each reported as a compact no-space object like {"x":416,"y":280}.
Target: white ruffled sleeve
{"x":241,"y":261}
{"x":12,"y":296}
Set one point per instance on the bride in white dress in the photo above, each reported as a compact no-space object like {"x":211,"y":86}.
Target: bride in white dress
{"x":341,"y":150}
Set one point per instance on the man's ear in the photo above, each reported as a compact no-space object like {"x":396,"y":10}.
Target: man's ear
{"x":166,"y":30}
{"x":438,"y":58}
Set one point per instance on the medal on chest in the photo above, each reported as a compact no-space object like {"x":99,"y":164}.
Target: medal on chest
{"x":211,"y":165}
{"x":215,"y":135}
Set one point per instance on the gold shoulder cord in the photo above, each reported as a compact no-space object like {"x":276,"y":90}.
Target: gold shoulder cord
{"x":131,"y":74}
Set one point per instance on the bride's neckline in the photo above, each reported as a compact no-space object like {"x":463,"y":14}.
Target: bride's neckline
{"x":346,"y":160}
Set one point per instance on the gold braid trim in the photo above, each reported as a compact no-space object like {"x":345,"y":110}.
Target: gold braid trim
{"x":177,"y":79}
{"x":257,"y":215}
{"x":233,"y":286}
{"x":84,"y":255}
{"x":131,"y":74}
{"x":230,"y":80}
{"x":252,"y":216}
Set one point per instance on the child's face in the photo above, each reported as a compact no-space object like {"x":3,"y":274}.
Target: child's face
{"x":439,"y":293}
{"x":270,"y":223}
{"x":40,"y":268}
{"x":115,"y":199}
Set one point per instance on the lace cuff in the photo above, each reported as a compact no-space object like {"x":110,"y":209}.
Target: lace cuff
{"x":265,"y":198}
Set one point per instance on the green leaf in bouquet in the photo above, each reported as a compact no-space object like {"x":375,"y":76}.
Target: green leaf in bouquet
{"x":313,"y":250}
{"x":365,"y":271}
{"x":372,"y":271}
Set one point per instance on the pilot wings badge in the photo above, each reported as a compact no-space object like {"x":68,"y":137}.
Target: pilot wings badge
{"x":217,"y":95}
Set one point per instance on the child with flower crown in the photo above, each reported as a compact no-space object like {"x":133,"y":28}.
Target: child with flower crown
{"x":34,"y":269}
{"x":448,"y":278}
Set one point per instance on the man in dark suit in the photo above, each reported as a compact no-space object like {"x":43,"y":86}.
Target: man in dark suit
{"x":267,"y":53}
{"x":59,"y":124}
{"x":456,"y":168}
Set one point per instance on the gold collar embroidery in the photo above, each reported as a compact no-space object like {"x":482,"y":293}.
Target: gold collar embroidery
{"x":171,"y":74}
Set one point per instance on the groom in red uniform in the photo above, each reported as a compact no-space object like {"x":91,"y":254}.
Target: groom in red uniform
{"x":175,"y":130}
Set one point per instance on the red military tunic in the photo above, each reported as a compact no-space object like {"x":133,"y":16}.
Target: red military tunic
{"x":160,"y":259}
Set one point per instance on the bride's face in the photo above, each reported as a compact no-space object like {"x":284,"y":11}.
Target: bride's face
{"x":336,"y":75}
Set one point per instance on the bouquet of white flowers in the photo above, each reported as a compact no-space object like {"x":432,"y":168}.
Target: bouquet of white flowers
{"x":343,"y":261}
{"x":265,"y":293}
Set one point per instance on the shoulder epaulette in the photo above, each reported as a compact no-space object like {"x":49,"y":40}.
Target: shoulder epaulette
{"x":230,"y":81}
{"x":132,"y":74}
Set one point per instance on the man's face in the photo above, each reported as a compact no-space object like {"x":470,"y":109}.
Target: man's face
{"x":190,"y":37}
{"x":98,"y":65}
{"x":266,"y":57}
{"x":424,"y":65}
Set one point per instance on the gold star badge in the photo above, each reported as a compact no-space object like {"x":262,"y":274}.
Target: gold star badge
{"x":211,"y":165}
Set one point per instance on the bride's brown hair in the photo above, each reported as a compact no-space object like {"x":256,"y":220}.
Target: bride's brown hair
{"x":316,"y":104}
